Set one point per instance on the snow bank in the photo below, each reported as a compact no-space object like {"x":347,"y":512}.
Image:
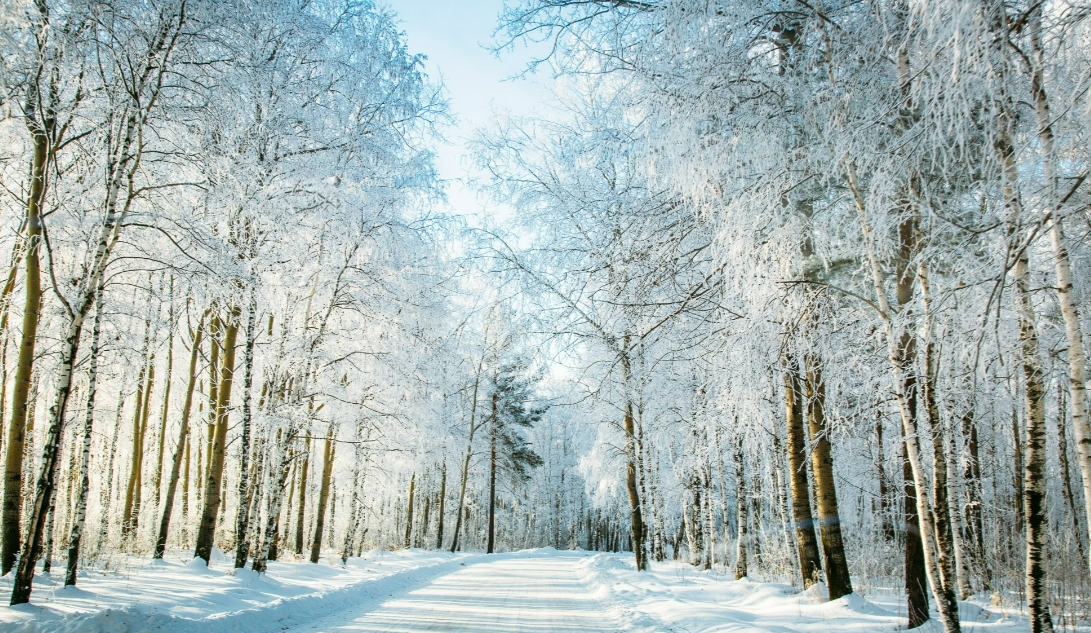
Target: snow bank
{"x":174,"y":596}
{"x":678,"y":598}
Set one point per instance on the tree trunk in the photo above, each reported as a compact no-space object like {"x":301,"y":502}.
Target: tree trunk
{"x":1033,"y":471}
{"x":132,"y":488}
{"x":214,"y":471}
{"x":962,"y":564}
{"x":106,"y":493}
{"x":5,"y":312}
{"x":656,"y":500}
{"x":1066,"y":474}
{"x":1034,"y":468}
{"x":706,"y":510}
{"x":323,"y":494}
{"x":754,"y":534}
{"x":916,"y":575}
{"x":806,"y":543}
{"x":181,"y":449}
{"x":425,"y":522}
{"x":215,"y":332}
{"x":829,"y":517}
{"x":901,"y":349}
{"x":466,"y":461}
{"x":76,"y":533}
{"x":1077,"y":357}
{"x":779,"y":480}
{"x":640,"y":549}
{"x":972,"y":514}
{"x":692,"y":512}
{"x":255,"y":495}
{"x":242,"y":521}
{"x":138,"y":487}
{"x":492,"y":474}
{"x":47,"y":549}
{"x":1017,"y":471}
{"x":299,"y":525}
{"x":442,"y":503}
{"x":409,"y":513}
{"x":274,"y":499}
{"x":886,"y":511}
{"x":941,"y":507}
{"x":45,"y":487}
{"x":741,"y":508}
{"x":898,"y":350}
{"x":166,"y":394}
{"x":354,"y":507}
{"x":188,"y":443}
{"x":13,"y":464}
{"x":332,"y":503}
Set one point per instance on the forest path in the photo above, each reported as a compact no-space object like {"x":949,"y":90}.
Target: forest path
{"x":509,"y":594}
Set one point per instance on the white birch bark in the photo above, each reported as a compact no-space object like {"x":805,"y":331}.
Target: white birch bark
{"x":76,"y":534}
{"x":1077,"y":357}
{"x":945,"y":601}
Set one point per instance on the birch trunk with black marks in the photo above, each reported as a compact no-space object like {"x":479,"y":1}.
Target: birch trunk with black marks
{"x":408,"y":541}
{"x":1070,"y":313}
{"x":215,"y":334}
{"x":897,"y":345}
{"x":941,"y":509}
{"x":242,"y":521}
{"x":972,"y":511}
{"x":75,"y":535}
{"x":886,"y":511}
{"x":916,"y":574}
{"x":1018,"y":462}
{"x":741,"y":508}
{"x":277,"y":481}
{"x":781,"y":483}
{"x":492,"y":476}
{"x":1066,"y":474}
{"x":166,"y":395}
{"x":1034,"y":466}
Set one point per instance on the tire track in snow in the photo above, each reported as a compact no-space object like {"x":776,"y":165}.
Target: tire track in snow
{"x":519,"y":593}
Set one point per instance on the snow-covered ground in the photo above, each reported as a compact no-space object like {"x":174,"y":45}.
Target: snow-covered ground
{"x":411,"y":591}
{"x":674,"y":597}
{"x":173,"y":595}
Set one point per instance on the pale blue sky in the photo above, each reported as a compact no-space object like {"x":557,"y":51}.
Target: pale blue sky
{"x":453,"y":36}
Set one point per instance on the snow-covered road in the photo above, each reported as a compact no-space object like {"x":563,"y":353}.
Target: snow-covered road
{"x":521,"y":594}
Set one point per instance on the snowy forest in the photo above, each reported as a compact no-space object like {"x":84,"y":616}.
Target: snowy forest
{"x":787,"y":290}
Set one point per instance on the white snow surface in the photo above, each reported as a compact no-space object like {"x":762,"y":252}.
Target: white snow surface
{"x":416,"y":590}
